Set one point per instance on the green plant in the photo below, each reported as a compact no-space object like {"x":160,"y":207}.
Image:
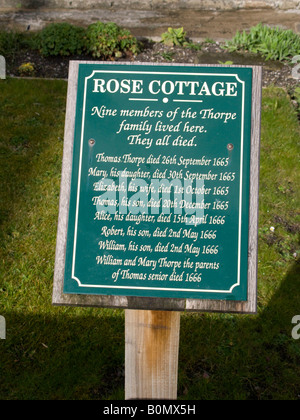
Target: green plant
{"x":209,"y":41}
{"x":271,"y":43}
{"x":31,"y":40}
{"x":193,"y":46}
{"x":168,"y":55}
{"x":26,"y":69}
{"x":10,"y":42}
{"x":226,"y":63}
{"x":174,"y":37}
{"x":61,"y":39}
{"x":108,"y":40}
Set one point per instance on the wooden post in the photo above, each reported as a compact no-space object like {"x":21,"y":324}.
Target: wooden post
{"x":151,"y":354}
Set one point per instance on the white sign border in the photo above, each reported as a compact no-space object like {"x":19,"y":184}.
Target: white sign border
{"x":97,"y":286}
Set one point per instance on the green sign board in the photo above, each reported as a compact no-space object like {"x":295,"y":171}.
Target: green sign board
{"x":159,"y":194}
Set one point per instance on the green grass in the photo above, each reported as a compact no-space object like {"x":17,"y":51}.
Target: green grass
{"x":76,"y":353}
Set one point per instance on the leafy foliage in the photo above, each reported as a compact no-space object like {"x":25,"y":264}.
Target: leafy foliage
{"x":226,"y":63}
{"x":11,"y":42}
{"x":108,"y":40}
{"x":174,"y":37}
{"x":177,"y":38}
{"x":7,"y":42}
{"x":61,"y":39}
{"x":271,"y":43}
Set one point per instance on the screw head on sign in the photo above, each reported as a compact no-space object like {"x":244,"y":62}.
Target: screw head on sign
{"x":230,"y":146}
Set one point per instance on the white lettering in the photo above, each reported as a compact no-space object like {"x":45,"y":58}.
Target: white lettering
{"x":125,"y":86}
{"x":168,"y":87}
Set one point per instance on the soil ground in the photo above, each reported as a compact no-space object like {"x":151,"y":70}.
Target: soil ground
{"x":274,"y":73}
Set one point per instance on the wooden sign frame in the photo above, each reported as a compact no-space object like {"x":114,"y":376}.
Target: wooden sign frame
{"x":157,"y":303}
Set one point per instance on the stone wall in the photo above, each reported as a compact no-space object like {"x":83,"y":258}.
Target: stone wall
{"x":151,"y":4}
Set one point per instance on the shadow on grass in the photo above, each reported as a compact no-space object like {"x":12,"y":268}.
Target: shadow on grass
{"x":244,"y":356}
{"x":63,"y":356}
{"x":80,"y":355}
